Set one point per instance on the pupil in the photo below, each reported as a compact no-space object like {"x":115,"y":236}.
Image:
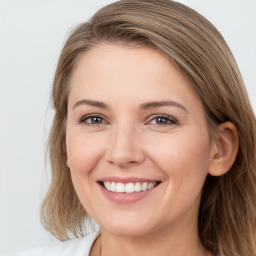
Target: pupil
{"x":96,"y":120}
{"x":161,"y":120}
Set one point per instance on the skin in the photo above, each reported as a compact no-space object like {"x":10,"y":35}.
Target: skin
{"x":129,"y":141}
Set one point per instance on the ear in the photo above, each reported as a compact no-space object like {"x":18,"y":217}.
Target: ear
{"x":225,"y":149}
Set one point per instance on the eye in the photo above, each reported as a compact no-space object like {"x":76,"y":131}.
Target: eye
{"x":162,"y":120}
{"x":92,"y":120}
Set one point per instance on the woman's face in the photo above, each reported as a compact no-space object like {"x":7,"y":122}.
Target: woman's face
{"x":137,"y":141}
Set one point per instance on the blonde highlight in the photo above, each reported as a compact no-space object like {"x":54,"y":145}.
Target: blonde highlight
{"x":227,"y":219}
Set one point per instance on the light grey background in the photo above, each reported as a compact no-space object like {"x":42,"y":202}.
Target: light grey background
{"x":32,"y":33}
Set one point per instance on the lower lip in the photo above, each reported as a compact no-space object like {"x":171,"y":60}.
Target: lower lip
{"x":125,"y":198}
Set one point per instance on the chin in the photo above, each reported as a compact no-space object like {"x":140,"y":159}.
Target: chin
{"x":127,"y":227}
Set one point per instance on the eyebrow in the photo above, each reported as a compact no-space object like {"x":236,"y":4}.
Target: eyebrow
{"x":93,"y":103}
{"x":144,"y":106}
{"x":157,"y":104}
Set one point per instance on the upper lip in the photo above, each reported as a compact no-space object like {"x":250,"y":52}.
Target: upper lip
{"x":126,"y":179}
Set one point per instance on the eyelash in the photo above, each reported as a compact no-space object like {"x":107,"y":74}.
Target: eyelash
{"x":169,"y":120}
{"x":84,"y":118}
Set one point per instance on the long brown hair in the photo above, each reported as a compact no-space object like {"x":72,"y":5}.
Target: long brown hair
{"x":227,"y":214}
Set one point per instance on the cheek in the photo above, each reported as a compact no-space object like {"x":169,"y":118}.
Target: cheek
{"x":184,"y":161}
{"x":83,"y":154}
{"x":182,"y":155}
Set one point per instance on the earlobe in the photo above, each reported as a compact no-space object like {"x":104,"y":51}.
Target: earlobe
{"x":226,"y":149}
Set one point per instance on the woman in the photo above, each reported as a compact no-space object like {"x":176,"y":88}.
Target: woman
{"x":153,"y":137}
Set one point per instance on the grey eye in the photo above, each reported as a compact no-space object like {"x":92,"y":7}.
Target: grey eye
{"x":94,"y":120}
{"x":163,"y":120}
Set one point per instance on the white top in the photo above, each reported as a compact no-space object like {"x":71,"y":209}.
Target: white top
{"x":75,"y":247}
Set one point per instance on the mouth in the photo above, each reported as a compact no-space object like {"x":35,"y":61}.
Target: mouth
{"x":128,"y":188}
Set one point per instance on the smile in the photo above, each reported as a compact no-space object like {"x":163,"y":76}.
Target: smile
{"x":126,"y":190}
{"x":118,"y":187}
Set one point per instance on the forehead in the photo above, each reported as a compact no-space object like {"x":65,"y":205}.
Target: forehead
{"x":128,"y":73}
{"x":112,"y":61}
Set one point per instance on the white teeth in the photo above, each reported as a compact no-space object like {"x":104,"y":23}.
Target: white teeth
{"x":107,"y":185}
{"x":137,"y":187}
{"x":144,"y":186}
{"x":120,"y":187}
{"x":128,"y":187}
{"x":150,"y":185}
{"x":113,"y":186}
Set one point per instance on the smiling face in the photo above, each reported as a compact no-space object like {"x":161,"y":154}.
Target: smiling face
{"x":137,"y":141}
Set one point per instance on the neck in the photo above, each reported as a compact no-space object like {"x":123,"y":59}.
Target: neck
{"x":176,"y":242}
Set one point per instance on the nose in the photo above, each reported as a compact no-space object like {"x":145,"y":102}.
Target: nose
{"x":124,"y":149}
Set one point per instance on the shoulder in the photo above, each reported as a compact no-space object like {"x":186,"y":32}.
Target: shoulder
{"x":75,"y":247}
